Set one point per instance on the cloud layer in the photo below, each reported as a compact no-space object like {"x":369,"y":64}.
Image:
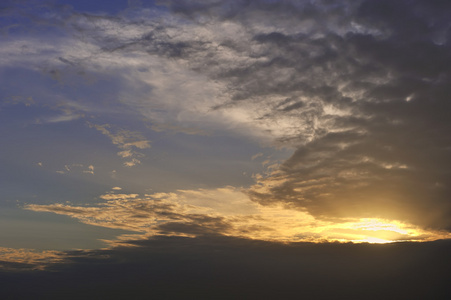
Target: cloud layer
{"x":358,"y":89}
{"x":217,"y":267}
{"x":230,"y":212}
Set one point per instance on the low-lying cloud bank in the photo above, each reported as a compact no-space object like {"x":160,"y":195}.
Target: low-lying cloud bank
{"x":218,"y":267}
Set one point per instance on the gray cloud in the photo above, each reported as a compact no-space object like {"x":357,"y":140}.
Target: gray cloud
{"x":365,"y":88}
{"x":228,"y":211}
{"x":358,"y":88}
{"x":218,"y":267}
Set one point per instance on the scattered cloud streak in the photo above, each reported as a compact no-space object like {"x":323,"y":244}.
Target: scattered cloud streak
{"x":127,"y":141}
{"x":13,"y":259}
{"x":75,"y":168}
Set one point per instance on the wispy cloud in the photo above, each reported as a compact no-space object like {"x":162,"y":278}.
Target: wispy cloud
{"x":13,"y":259}
{"x":76,"y":168}
{"x":60,"y":118}
{"x":126,"y":140}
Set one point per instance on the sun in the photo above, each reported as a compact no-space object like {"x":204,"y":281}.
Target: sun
{"x":379,"y":231}
{"x":373,"y":240}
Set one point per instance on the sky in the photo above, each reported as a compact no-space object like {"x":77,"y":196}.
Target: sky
{"x":306,"y":132}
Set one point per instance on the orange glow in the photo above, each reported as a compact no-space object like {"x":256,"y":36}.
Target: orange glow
{"x":377,"y":225}
{"x":28,"y":259}
{"x":373,"y":240}
{"x":244,"y":218}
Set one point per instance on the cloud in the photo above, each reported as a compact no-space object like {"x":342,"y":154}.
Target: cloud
{"x":76,"y":168}
{"x":60,"y":118}
{"x":13,"y":259}
{"x":90,"y":170}
{"x":359,"y":92}
{"x":125,"y":140}
{"x":215,"y":267}
{"x":255,"y":156}
{"x":118,"y":196}
{"x":186,"y":130}
{"x":358,"y":89}
{"x":229,"y":211}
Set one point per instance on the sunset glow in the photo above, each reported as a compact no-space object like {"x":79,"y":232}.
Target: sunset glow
{"x":236,"y":149}
{"x":229,"y":211}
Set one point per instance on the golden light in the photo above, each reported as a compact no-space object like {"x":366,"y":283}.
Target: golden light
{"x":380,"y":231}
{"x":378,"y":225}
{"x":373,"y":240}
{"x":244,"y":217}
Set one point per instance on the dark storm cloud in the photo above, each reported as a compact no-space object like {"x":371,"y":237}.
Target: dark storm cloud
{"x":218,"y":267}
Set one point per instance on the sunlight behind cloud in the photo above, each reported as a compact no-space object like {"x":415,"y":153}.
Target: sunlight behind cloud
{"x":229,"y":211}
{"x":282,"y":121}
